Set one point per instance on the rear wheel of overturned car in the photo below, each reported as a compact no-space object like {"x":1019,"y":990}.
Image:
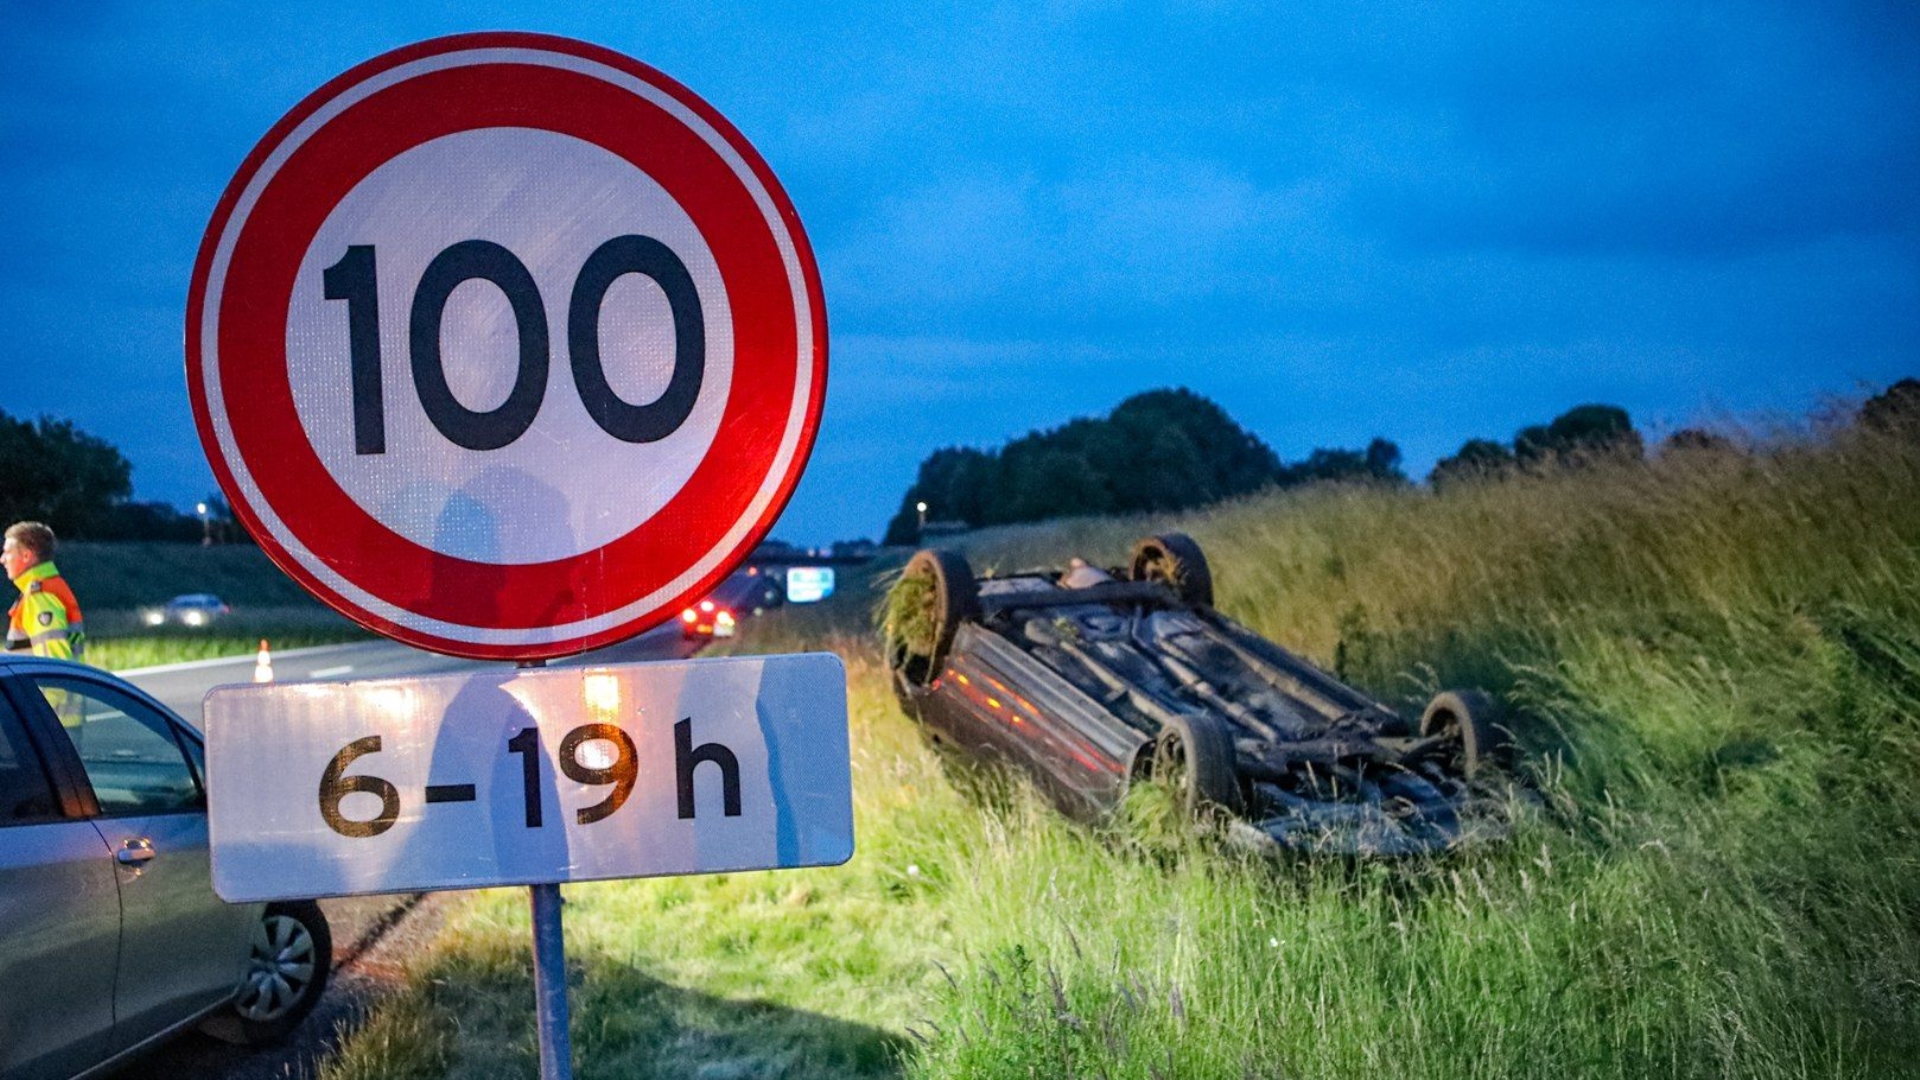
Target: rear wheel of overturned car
{"x":1174,"y":559}
{"x":1471,"y":721}
{"x":1193,"y":755}
{"x":288,"y":962}
{"x":935,"y":593}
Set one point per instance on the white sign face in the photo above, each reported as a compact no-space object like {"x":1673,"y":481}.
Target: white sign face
{"x":506,"y":345}
{"x":528,"y":777}
{"x":557,"y":199}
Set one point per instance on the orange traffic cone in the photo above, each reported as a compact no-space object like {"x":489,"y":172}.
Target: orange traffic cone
{"x":263,"y":664}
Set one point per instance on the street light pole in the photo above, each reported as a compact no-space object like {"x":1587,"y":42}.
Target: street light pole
{"x":206,"y":527}
{"x":922,"y":508}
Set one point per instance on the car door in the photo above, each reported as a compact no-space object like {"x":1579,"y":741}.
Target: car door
{"x":59,"y":917}
{"x":182,"y":949}
{"x":958,"y":705}
{"x":1078,"y":753}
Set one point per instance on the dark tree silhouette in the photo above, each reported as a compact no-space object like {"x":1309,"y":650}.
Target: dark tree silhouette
{"x":1895,"y":410}
{"x":1156,"y":451}
{"x":1584,"y":431}
{"x":1379,"y":462}
{"x":1477,"y":459}
{"x":1383,"y":460}
{"x":953,"y":482}
{"x":1697,"y":441}
{"x":52,"y":471}
{"x":147,"y":521}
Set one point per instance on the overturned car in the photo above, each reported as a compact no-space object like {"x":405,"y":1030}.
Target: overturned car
{"x":1091,"y":680}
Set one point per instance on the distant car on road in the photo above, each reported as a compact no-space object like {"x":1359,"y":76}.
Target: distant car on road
{"x":1091,"y":680}
{"x":111,"y":938}
{"x":741,"y":595}
{"x":192,"y":609}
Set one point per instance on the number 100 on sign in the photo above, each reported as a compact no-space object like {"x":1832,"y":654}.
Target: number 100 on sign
{"x":355,"y":279}
{"x":539,"y":775}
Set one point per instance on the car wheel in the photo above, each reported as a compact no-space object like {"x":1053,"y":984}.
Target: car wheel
{"x":288,"y":963}
{"x":1472,"y":721}
{"x":1177,"y":561}
{"x":935,"y":593}
{"x":1194,"y":756}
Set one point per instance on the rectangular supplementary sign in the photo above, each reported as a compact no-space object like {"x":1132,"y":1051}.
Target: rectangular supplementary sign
{"x":528,"y":776}
{"x":809,"y":584}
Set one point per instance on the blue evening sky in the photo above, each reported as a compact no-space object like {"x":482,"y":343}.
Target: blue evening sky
{"x":1423,"y":221}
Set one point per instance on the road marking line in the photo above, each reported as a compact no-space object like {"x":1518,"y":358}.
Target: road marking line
{"x":328,"y":673}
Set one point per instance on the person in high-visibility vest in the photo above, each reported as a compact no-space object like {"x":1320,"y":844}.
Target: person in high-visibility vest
{"x":46,"y":618}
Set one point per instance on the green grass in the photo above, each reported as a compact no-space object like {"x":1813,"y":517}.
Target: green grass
{"x":909,"y":617}
{"x":1716,"y":663}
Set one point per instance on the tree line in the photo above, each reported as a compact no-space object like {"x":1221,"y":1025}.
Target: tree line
{"x":82,"y":486}
{"x":1161,"y":450}
{"x":1582,"y":433}
{"x":1167,"y":450}
{"x":1158,"y":451}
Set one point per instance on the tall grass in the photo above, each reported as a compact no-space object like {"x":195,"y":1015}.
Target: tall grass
{"x":1716,"y":662}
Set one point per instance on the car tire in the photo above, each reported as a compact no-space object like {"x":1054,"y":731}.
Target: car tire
{"x":1473,"y":720}
{"x":954,"y":597}
{"x":288,"y":964}
{"x":1194,"y":755}
{"x":1176,"y":560}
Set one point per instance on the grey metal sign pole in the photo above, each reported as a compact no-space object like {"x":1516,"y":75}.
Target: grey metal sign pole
{"x":550,"y":974}
{"x":550,"y":984}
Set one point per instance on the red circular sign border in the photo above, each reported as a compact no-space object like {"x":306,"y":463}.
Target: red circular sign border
{"x":789,"y":221}
{"x":267,"y":248}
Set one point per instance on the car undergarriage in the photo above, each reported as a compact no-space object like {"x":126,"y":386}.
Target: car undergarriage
{"x":1091,"y":680}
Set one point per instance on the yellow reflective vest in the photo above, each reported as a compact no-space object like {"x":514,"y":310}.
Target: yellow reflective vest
{"x":46,"y":618}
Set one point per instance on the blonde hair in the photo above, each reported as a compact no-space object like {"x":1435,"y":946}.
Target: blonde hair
{"x":33,"y":536}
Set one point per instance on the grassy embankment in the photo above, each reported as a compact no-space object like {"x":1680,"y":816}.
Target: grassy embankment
{"x":116,"y":582}
{"x":1717,"y":663}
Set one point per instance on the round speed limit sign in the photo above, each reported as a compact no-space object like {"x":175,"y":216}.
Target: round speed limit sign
{"x":506,"y":346}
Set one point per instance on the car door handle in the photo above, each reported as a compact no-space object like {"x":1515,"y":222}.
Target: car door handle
{"x":134,"y":853}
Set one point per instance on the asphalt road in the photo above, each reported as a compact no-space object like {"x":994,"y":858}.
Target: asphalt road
{"x":182,"y":686}
{"x":372,"y":935}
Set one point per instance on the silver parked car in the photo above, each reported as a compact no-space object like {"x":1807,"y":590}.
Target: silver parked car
{"x":111,"y":938}
{"x":192,"y":609}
